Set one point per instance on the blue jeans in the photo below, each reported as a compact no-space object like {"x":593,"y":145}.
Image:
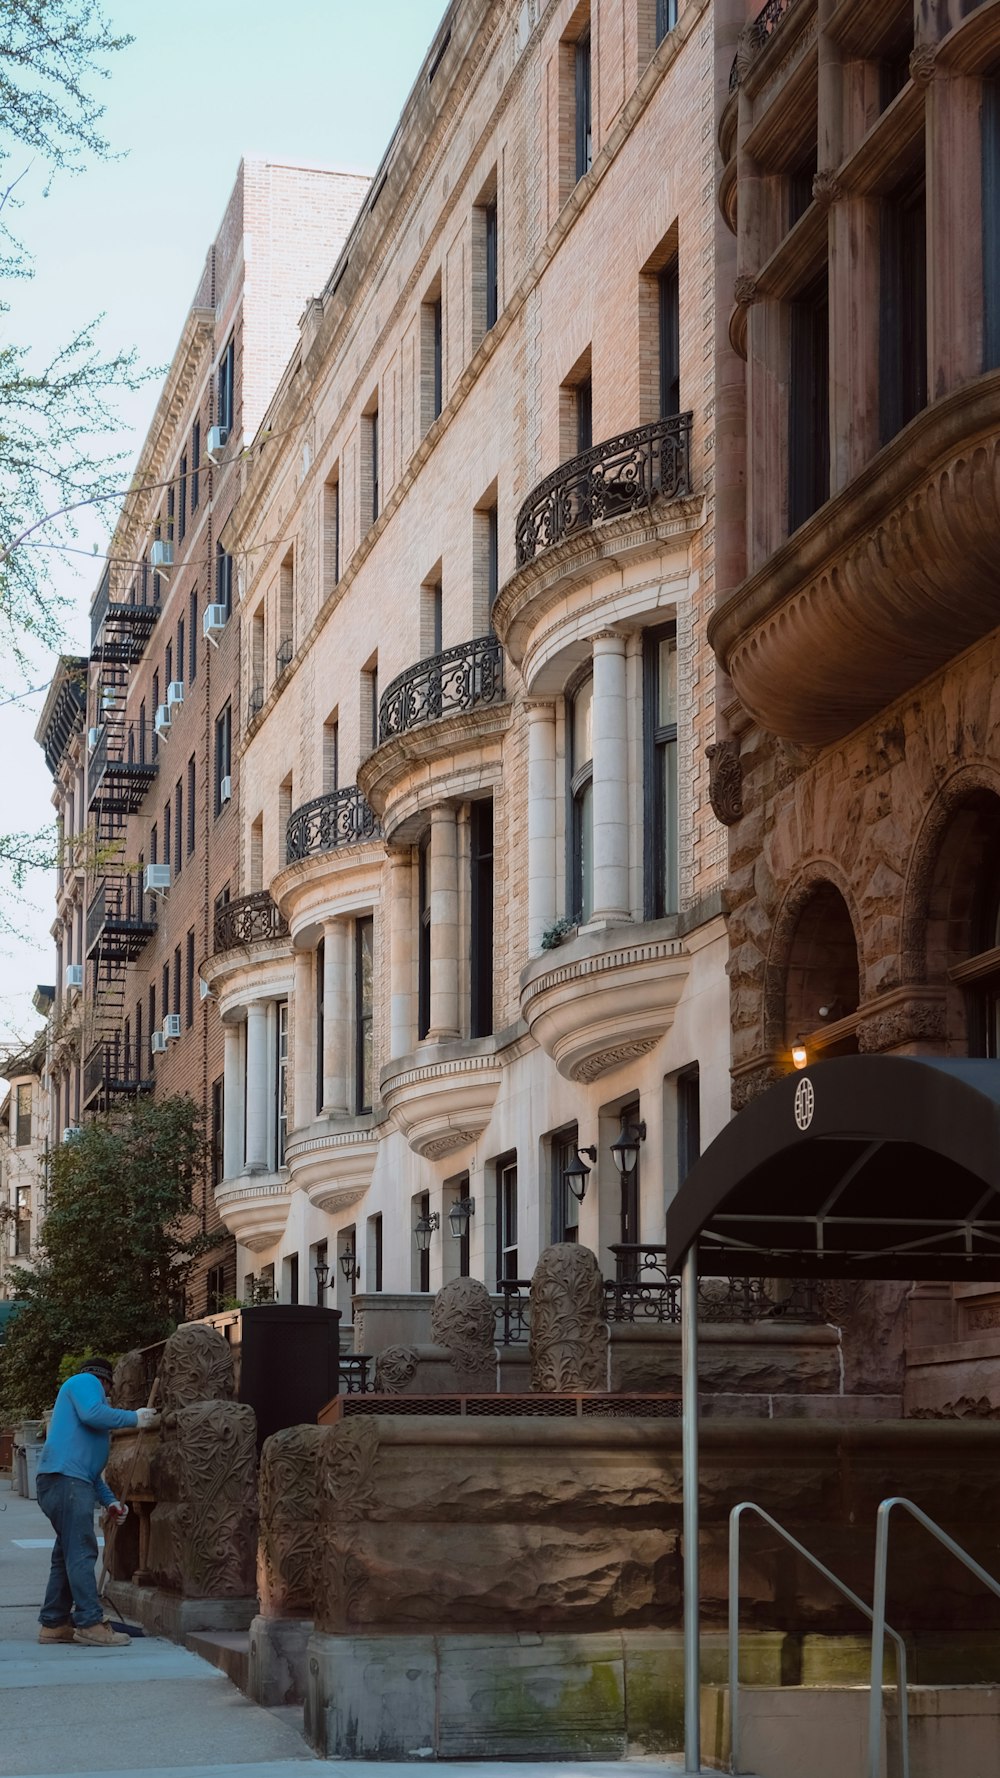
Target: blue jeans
{"x":71,"y":1594}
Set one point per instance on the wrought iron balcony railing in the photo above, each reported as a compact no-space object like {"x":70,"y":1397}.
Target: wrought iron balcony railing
{"x":512,"y":1314}
{"x":621,"y":475}
{"x":758,"y":31}
{"x":249,"y":918}
{"x":255,"y":701}
{"x":643,"y":1290}
{"x":114,"y":1069}
{"x":457,"y":679}
{"x":342,"y":818}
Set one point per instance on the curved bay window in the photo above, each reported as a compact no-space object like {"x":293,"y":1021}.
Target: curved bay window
{"x":580,"y":897}
{"x":660,"y":772}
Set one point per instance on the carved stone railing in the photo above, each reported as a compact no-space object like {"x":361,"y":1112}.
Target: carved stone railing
{"x":756,"y":35}
{"x":455,"y":680}
{"x":342,"y":818}
{"x":512,"y":1314}
{"x":244,"y":921}
{"x":618,"y":476}
{"x":643,"y":1290}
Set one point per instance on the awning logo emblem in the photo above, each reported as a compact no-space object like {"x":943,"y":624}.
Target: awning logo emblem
{"x":805,"y":1103}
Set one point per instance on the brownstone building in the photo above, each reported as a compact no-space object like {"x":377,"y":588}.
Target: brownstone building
{"x":856,"y":602}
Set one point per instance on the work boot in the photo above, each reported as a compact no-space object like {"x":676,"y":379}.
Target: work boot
{"x":56,"y":1633}
{"x":101,"y":1636}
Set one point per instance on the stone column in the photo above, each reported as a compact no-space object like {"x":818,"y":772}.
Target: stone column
{"x":954,"y":225}
{"x":304,"y":1092}
{"x":232,"y":1102}
{"x":610,"y":779}
{"x":444,"y":924}
{"x":256,"y":1158}
{"x":400,"y":953}
{"x":335,"y":1009}
{"x":854,"y":343}
{"x":541,"y":822}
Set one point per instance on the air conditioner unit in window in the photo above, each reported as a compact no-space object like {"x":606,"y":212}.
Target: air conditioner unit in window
{"x":204,"y":990}
{"x":157,"y":879}
{"x":158,"y":1043}
{"x":161,"y":721}
{"x":215,"y":620}
{"x":218,"y":438}
{"x":74,"y":975}
{"x":161,"y":556}
{"x":172,"y":1025}
{"x":93,"y":736}
{"x":226,"y":790}
{"x":109,"y":698}
{"x":71,"y":1132}
{"x":175,"y":693}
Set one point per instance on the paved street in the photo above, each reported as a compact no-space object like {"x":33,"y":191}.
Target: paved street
{"x":153,"y":1708}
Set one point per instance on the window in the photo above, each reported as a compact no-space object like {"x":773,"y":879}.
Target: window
{"x":565,"y":1205}
{"x":22,"y":1244}
{"x":182,"y":494}
{"x":291,"y":1278}
{"x":224,"y":579}
{"x":808,"y":404}
{"x":191,"y":805}
{"x":493,"y":555}
{"x":580,"y":897}
{"x":373,"y":1253}
{"x":369,"y":704}
{"x":492,"y":263}
{"x":660,"y":772}
{"x":485,"y":561}
{"x":902,"y":311}
{"x":177,"y":980}
{"x":218,"y":1129}
{"x":282,"y":1085}
{"x":215,"y":1290}
{"x":320,"y":968}
{"x":225,"y":386}
{"x":666,"y":18}
{"x":423,"y":938}
{"x":156,"y":706}
{"x":189,"y":981}
{"x":688,"y":1121}
{"x":364,"y":941}
{"x":369,"y":462}
{"x":432,"y":630}
{"x":990,"y":127}
{"x":422,"y":1208}
{"x":459,"y":1189}
{"x":168,"y":665}
{"x":22,"y":1126}
{"x":165,"y":989}
{"x":168,"y":831}
{"x":286,"y":615}
{"x":319,"y":1259}
{"x":670,"y":339}
{"x":584,"y":415}
{"x":142,"y":732}
{"x":506,"y":1177}
{"x":171,"y":506}
{"x":331,"y":755}
{"x":152,"y":1007}
{"x":195,"y":463}
{"x":629,"y":1182}
{"x":431,"y":361}
{"x":584,"y":139}
{"x":481,"y":960}
{"x":223,"y":755}
{"x":178,"y":827}
{"x":180,"y":646}
{"x":331,"y":529}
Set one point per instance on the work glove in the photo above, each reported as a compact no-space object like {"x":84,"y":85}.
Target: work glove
{"x":116,"y":1513}
{"x":146,"y":1417}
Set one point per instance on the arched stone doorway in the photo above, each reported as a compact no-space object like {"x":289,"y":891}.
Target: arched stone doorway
{"x":953,"y":920}
{"x":821,"y":975}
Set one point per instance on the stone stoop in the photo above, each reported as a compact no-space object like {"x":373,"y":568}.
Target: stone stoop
{"x":789,"y":1731}
{"x":230,"y":1652}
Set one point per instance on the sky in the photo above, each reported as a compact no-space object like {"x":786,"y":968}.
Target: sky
{"x":204,"y":83}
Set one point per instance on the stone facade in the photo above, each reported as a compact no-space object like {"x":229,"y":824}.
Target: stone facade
{"x":479,"y":518}
{"x":24,"y":1140}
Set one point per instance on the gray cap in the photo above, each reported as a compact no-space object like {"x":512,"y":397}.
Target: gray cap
{"x":98,"y":1367}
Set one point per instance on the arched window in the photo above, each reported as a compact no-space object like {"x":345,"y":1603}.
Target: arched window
{"x":581,"y":791}
{"x":822,"y":979}
{"x":963,"y":926}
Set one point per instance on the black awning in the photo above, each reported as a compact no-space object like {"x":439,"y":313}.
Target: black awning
{"x":862,"y":1167}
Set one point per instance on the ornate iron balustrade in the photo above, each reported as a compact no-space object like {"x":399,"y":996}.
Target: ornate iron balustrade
{"x":255,"y":702}
{"x":249,"y":918}
{"x":283,"y":656}
{"x":643,"y":1290}
{"x":512,"y":1315}
{"x":757,"y":33}
{"x":457,"y":679}
{"x":620,"y":475}
{"x":341,"y":818}
{"x":353,"y":1373}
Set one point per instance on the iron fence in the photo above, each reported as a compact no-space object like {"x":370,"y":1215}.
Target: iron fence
{"x":249,"y":918}
{"x":618,"y":476}
{"x":455,"y":680}
{"x":342,"y":818}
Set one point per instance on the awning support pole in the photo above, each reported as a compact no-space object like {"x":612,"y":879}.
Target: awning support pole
{"x":689,"y":1479}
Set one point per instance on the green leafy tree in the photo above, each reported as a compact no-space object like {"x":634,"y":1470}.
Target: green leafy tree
{"x":115,"y":1248}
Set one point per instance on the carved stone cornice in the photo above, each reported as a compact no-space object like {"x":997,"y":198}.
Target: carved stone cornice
{"x":882,"y":586}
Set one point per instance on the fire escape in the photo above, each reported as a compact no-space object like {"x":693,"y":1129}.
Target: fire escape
{"x":121,"y":768}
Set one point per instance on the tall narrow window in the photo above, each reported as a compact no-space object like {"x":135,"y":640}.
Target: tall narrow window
{"x":218,"y":1125}
{"x":320,"y":1021}
{"x":584,"y":142}
{"x":688,"y":1121}
{"x":506,"y":1218}
{"x":990,"y":126}
{"x":189,"y":980}
{"x":492,"y":556}
{"x":903,"y":311}
{"x":660,"y":772}
{"x":374,"y":1253}
{"x":565,"y":1205}
{"x":481,"y":960}
{"x":178,"y":827}
{"x":319,"y":1259}
{"x":808,"y":404}
{"x":223,"y":757}
{"x":580,"y":898}
{"x":584,"y":415}
{"x":629,"y":1223}
{"x":180,"y":645}
{"x":666,"y":18}
{"x":460,"y":1190}
{"x":193,"y":637}
{"x":182,"y":499}
{"x":171,"y":507}
{"x":331,"y":755}
{"x":176,"y":1005}
{"x":191,"y":771}
{"x":156,"y":706}
{"x":226,"y":387}
{"x":195,"y":464}
{"x":224,"y":579}
{"x":22,"y":1129}
{"x":331,"y":530}
{"x":370,"y":464}
{"x":364,"y":940}
{"x":422,"y":1206}
{"x":491,"y":221}
{"x":168,"y":666}
{"x":281,"y":1085}
{"x":369,"y":705}
{"x":670,"y":340}
{"x":423,"y":939}
{"x":286,"y":615}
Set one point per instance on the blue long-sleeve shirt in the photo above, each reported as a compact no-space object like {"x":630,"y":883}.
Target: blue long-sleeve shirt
{"x":78,"y":1442}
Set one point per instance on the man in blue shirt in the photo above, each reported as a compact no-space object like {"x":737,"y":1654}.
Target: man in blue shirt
{"x":70,"y":1484}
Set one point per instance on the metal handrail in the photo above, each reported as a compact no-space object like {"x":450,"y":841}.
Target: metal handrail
{"x":749,"y":1506}
{"x":880,"y":1627}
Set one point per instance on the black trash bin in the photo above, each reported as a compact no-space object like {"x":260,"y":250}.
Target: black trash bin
{"x":288,"y":1363}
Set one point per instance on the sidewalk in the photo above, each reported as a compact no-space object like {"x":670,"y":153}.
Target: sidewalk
{"x":155,"y":1709}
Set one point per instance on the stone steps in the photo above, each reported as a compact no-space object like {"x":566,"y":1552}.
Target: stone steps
{"x":227,"y":1650}
{"x":787,"y":1730}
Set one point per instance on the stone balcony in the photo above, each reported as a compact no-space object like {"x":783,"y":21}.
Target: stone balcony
{"x":254,"y":1207}
{"x":333,"y":855}
{"x":442,"y":1097}
{"x":882,"y":586}
{"x":605,"y":997}
{"x":333,"y":1163}
{"x":440,"y":728}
